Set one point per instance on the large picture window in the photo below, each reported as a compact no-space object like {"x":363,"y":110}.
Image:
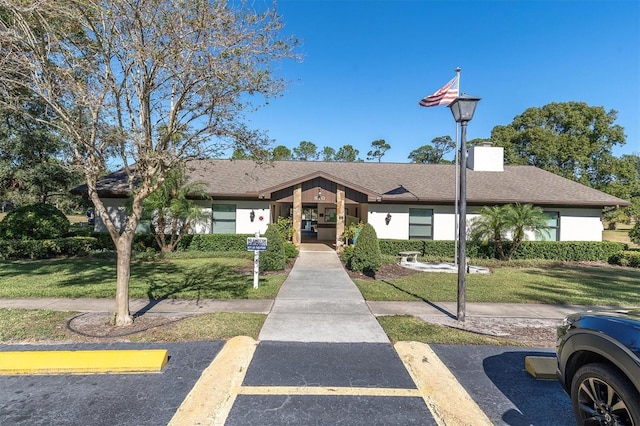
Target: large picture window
{"x":552,"y":230}
{"x":420,"y":224}
{"x":224,"y":218}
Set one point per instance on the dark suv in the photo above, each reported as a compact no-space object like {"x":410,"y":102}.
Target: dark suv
{"x":599,"y":366}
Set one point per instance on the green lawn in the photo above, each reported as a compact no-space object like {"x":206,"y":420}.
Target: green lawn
{"x":619,"y":235}
{"x":575,"y":285}
{"x":207,"y":278}
{"x":29,"y":325}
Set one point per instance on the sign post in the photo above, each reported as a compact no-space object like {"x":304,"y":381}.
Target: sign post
{"x":256,"y":244}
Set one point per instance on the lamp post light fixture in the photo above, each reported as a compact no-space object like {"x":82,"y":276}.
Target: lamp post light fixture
{"x":463,"y":109}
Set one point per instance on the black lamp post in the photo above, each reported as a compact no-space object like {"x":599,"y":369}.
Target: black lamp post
{"x":463,"y":109}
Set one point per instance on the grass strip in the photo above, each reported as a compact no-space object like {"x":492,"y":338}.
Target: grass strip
{"x":179,"y":278}
{"x":559,"y":285}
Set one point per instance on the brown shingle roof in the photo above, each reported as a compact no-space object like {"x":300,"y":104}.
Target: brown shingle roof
{"x":393,"y":182}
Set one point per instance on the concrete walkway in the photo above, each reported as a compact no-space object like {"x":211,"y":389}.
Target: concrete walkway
{"x":318,"y":302}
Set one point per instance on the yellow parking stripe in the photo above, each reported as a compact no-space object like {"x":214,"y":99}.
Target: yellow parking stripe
{"x":323,"y":391}
{"x":448,"y":401}
{"x":83,"y":362}
{"x":212,"y":397}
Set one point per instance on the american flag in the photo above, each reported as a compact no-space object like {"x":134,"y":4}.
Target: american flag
{"x":444,"y":96}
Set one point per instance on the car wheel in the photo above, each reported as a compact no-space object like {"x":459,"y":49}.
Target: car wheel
{"x":601,"y":395}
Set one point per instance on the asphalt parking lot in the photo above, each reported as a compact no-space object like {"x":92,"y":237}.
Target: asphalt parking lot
{"x":369,"y":382}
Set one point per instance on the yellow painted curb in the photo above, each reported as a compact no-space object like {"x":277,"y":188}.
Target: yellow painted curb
{"x":83,"y":362}
{"x":541,"y":367}
{"x":448,"y":401}
{"x":211,"y":398}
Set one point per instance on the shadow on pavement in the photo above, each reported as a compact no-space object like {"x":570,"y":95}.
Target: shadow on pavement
{"x":534,"y":402}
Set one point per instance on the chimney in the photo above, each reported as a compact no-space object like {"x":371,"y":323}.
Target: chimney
{"x":486,"y":158}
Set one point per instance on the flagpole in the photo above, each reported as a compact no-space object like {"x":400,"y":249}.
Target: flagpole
{"x":455,"y":236}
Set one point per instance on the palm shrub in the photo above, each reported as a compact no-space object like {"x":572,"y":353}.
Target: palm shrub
{"x":170,"y":210}
{"x":366,"y":253}
{"x":34,"y":222}
{"x":274,"y":258}
{"x":495,"y":224}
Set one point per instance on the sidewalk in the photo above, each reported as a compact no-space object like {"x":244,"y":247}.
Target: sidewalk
{"x":318,"y":302}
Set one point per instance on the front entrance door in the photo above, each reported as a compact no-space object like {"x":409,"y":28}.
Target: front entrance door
{"x":309,"y":225}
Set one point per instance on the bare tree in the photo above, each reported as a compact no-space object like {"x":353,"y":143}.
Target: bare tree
{"x":149,"y":82}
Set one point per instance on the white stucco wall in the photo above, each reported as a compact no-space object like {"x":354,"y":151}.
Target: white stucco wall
{"x":575,"y":224}
{"x":580,"y":224}
{"x":116,"y":211}
{"x":398,"y":227}
{"x":243,"y":215}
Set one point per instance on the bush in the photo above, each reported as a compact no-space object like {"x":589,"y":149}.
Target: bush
{"x":34,"y":222}
{"x":290,"y":250}
{"x":629,"y":258}
{"x":634,"y":233}
{"x":219,"y":242}
{"x":393,"y":247}
{"x":346,"y":255}
{"x":366,"y":253}
{"x":44,"y":249}
{"x":284,"y":226}
{"x":274,"y":258}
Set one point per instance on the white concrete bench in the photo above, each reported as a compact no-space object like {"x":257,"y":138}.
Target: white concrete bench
{"x":408,"y":256}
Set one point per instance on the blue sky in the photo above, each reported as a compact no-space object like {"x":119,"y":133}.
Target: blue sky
{"x":366,"y":64}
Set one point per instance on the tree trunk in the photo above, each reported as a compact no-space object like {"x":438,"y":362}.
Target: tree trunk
{"x":123,"y":248}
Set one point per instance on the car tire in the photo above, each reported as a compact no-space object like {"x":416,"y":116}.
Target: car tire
{"x":602,"y":395}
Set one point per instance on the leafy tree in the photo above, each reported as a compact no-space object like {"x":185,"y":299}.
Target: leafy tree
{"x":434,"y":153}
{"x":240,"y":154}
{"x":512,"y":221}
{"x":257,"y":154}
{"x":621,"y":177}
{"x":380,"y":147}
{"x":570,"y":139}
{"x":123,"y":78}
{"x":306,"y":151}
{"x":281,"y":152}
{"x":33,"y":157}
{"x":347,"y":154}
{"x":170,"y":213}
{"x":35,"y":221}
{"x":328,"y":154}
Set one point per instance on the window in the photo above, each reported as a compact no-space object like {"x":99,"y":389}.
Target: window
{"x":552,"y":231}
{"x":330,"y":215}
{"x":224,"y":218}
{"x":420,"y":224}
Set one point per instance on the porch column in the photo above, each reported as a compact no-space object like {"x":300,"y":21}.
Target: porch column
{"x":340,"y":196}
{"x":297,"y":215}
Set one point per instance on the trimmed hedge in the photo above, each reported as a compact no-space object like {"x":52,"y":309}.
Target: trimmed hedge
{"x":629,"y":258}
{"x":552,"y":250}
{"x":219,"y":242}
{"x":44,"y":249}
{"x":568,"y":250}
